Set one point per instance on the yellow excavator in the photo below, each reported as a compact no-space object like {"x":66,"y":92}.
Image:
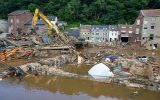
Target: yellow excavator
{"x":55,"y":28}
{"x":50,"y":25}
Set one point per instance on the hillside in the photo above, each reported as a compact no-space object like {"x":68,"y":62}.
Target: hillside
{"x":83,"y":11}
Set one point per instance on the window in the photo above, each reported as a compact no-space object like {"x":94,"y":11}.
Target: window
{"x":145,"y":22}
{"x":130,"y":27}
{"x":152,"y":27}
{"x":88,"y":38}
{"x":138,"y":22}
{"x":151,"y":37}
{"x":97,"y":38}
{"x":143,"y":38}
{"x":123,"y":31}
{"x":17,"y":20}
{"x":123,"y":27}
{"x":137,"y":30}
{"x":112,"y":34}
{"x":130,"y":31}
{"x":150,"y":45}
{"x":153,"y":19}
{"x":11,"y":20}
{"x":97,"y":33}
{"x":145,"y":27}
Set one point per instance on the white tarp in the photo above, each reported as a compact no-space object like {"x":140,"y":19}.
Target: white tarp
{"x":100,"y":71}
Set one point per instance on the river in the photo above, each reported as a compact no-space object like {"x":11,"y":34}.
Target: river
{"x":63,"y":88}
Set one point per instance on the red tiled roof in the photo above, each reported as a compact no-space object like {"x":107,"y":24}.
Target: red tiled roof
{"x":151,"y":12}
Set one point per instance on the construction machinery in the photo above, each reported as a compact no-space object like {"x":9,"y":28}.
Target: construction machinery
{"x":51,"y":27}
{"x":8,"y":53}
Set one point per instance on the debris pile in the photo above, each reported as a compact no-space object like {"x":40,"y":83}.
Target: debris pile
{"x":48,"y":66}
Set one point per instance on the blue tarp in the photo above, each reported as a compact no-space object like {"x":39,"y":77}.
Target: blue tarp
{"x":111,"y":57}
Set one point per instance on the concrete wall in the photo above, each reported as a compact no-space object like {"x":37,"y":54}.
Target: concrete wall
{"x":3,"y":26}
{"x":113,"y":36}
{"x":150,"y":29}
{"x":85,"y":32}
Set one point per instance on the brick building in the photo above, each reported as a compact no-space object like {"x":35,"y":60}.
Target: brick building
{"x":125,"y":32}
{"x":17,"y":19}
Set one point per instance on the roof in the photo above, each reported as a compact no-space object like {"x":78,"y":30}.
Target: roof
{"x":124,"y":25}
{"x":100,"y":26}
{"x":51,"y":18}
{"x":39,"y":22}
{"x":18,"y":12}
{"x":151,"y":12}
{"x":73,"y":32}
{"x":113,"y":27}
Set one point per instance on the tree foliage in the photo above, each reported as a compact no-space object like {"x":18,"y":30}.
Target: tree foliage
{"x":83,"y":11}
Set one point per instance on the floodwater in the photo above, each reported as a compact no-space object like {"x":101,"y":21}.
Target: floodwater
{"x":64,"y":88}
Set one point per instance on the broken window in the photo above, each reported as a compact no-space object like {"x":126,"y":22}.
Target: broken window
{"x":152,"y":27}
{"x":155,"y":45}
{"x":151,"y":37}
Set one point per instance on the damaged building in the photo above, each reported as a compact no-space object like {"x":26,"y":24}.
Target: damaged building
{"x":125,"y":33}
{"x":148,"y":26}
{"x":16,"y":20}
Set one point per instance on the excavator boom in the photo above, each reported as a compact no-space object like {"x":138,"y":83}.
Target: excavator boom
{"x":6,"y":54}
{"x":50,"y":25}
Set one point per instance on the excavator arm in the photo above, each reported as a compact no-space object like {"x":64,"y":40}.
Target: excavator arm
{"x":6,"y":54}
{"x":50,"y":25}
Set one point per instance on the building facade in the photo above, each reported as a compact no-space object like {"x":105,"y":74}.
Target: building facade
{"x":16,"y":21}
{"x":125,"y":33}
{"x":3,"y":26}
{"x":113,"y":33}
{"x":94,"y":33}
{"x":85,"y":32}
{"x":99,"y":33}
{"x":149,"y":28}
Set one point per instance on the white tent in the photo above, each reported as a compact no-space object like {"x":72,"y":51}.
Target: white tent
{"x":100,"y":71}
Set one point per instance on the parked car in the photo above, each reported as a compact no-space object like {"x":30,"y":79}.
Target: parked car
{"x":142,"y":58}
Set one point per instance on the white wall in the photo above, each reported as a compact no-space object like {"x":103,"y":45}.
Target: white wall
{"x":112,"y":36}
